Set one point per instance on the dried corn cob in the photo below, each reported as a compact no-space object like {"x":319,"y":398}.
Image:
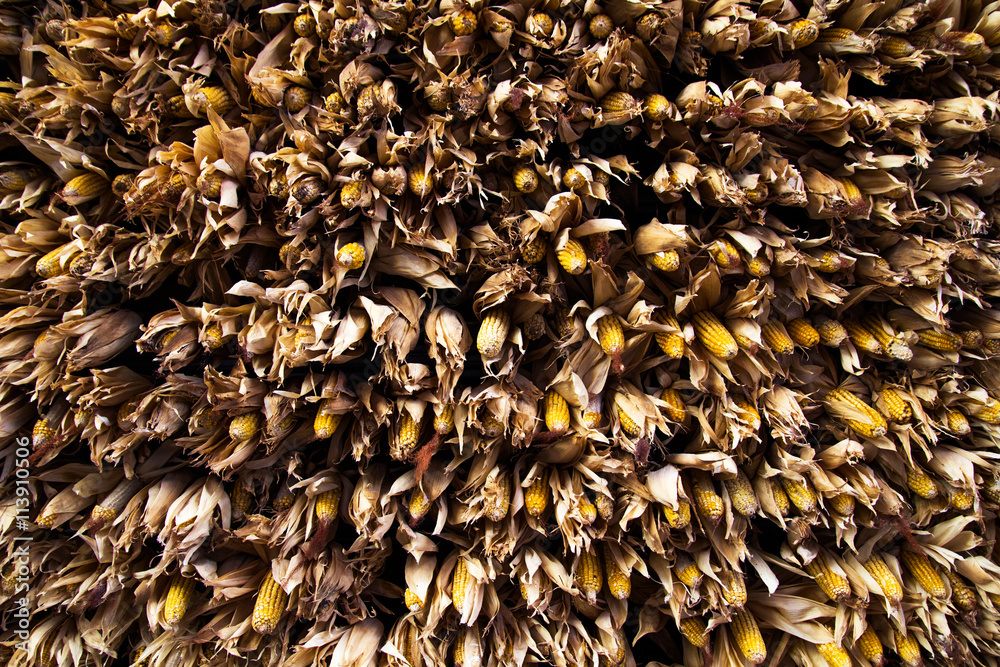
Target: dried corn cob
{"x":610,"y":335}
{"x":907,"y":648}
{"x":989,"y":413}
{"x":862,"y":337}
{"x":619,"y":582}
{"x":464,"y":23}
{"x":842,"y":504}
{"x":351,"y":256}
{"x":742,"y":495}
{"x":708,"y":501}
{"x":272,"y":600}
{"x":831,"y":333}
{"x":834,"y":585}
{"x":687,"y":571}
{"x":725,"y":254}
{"x":734,"y":589}
{"x":676,"y":408}
{"x":921,"y":484}
{"x":893,"y":344}
{"x":777,"y":338}
{"x":412,"y":600}
{"x":245,"y":426}
{"x":972,"y":339}
{"x":409,"y":432}
{"x":672,"y":344}
{"x":572,"y":258}
{"x":460,"y":581}
{"x":898,"y":410}
{"x":714,"y":335}
{"x":920,"y":568}
{"x":497,"y":506}
{"x":963,"y":596}
{"x":802,"y":332}
{"x":536,"y":497}
{"x":534,"y":251}
{"x":589,"y":578}
{"x":748,"y":638}
{"x":800,"y":493}
{"x":112,"y":505}
{"x":943,"y":341}
{"x":870,"y":647}
{"x":526,"y":181}
{"x":326,"y":422}
{"x":679,"y":518}
{"x":957,"y":423}
{"x":874,"y":427}
{"x":493,"y":332}
{"x":694,"y":630}
{"x":419,"y":504}
{"x":556,"y":412}
{"x":780,"y":497}
{"x":962,"y":499}
{"x":834,"y":654}
{"x":178,"y":599}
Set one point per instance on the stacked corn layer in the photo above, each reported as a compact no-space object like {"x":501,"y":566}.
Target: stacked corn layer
{"x":395,"y":333}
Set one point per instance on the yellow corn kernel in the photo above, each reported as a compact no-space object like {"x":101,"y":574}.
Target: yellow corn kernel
{"x":498,"y":506}
{"x":271,"y":603}
{"x":870,"y":647}
{"x":572,"y":258}
{"x":831,"y":333}
{"x":464,"y":23}
{"x":618,"y":102}
{"x":714,"y":335}
{"x":802,"y":332}
{"x":896,"y":47}
{"x":748,"y":638}
{"x":833,"y":35}
{"x":304,"y":25}
{"x":412,"y":600}
{"x":779,"y":496}
{"x":409,"y":431}
{"x":85,"y":187}
{"x":656,"y":107}
{"x":420,"y":504}
{"x":708,"y":501}
{"x":942,"y":341}
{"x":589,"y":578}
{"x":734,"y":589}
{"x":963,"y":596}
{"x":989,"y":413}
{"x":972,"y":339}
{"x":295,"y":99}
{"x":536,"y":497}
{"x":725,"y":254}
{"x":241,"y":498}
{"x":759,"y":267}
{"x":892,"y":344}
{"x":957,"y":422}
{"x":908,"y":648}
{"x":800,"y":493}
{"x":556,"y":412}
{"x":687,"y":571}
{"x":628,"y":425}
{"x":42,"y":434}
{"x":444,"y":420}
{"x":962,"y":499}
{"x":526,"y":181}
{"x":676,"y":408}
{"x":350,"y":194}
{"x":619,"y":582}
{"x":326,"y":422}
{"x":742,"y":495}
{"x":886,"y":580}
{"x":493,"y":332}
{"x":921,"y":484}
{"x":748,"y":412}
{"x":283,"y":499}
{"x":842,"y":504}
{"x":327,"y":504}
{"x":18,"y":177}
{"x":610,"y":335}
{"x":834,"y":585}
{"x":672,"y":344}
{"x":492,"y":426}
{"x":245,"y":426}
{"x":803,"y":32}
{"x":920,"y":568}
{"x":694,"y":630}
{"x":534,"y":251}
{"x":421,"y":181}
{"x":665,"y":260}
{"x":834,"y":654}
{"x":460,"y":581}
{"x":178,"y":599}
{"x":679,"y":518}
{"x":601,"y":26}
{"x":574,"y":179}
{"x":351,"y":256}
{"x":163,"y":33}
{"x":874,"y":427}
{"x":862,"y":337}
{"x":898,"y":410}
{"x":776,"y":338}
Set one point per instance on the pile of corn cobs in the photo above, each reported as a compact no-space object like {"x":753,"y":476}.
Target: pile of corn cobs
{"x":529,"y":333}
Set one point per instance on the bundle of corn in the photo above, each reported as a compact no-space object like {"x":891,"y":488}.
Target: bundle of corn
{"x":608,"y":333}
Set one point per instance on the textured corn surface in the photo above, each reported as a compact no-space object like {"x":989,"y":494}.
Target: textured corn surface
{"x":709,"y":502}
{"x":802,"y":332}
{"x":556,"y":412}
{"x":460,"y":581}
{"x":870,"y":647}
{"x":872,"y":427}
{"x":610,"y":334}
{"x":572,"y":257}
{"x":922,"y":572}
{"x":742,"y":495}
{"x":695,"y":631}
{"x":536,"y":496}
{"x":493,"y":332}
{"x":589,"y":578}
{"x":714,"y":335}
{"x":676,"y":408}
{"x":270,"y":605}
{"x":921,"y":484}
{"x":898,"y":409}
{"x":747,"y":635}
{"x":834,"y":585}
{"x":801,"y":494}
{"x":178,"y":599}
{"x":246,"y":426}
